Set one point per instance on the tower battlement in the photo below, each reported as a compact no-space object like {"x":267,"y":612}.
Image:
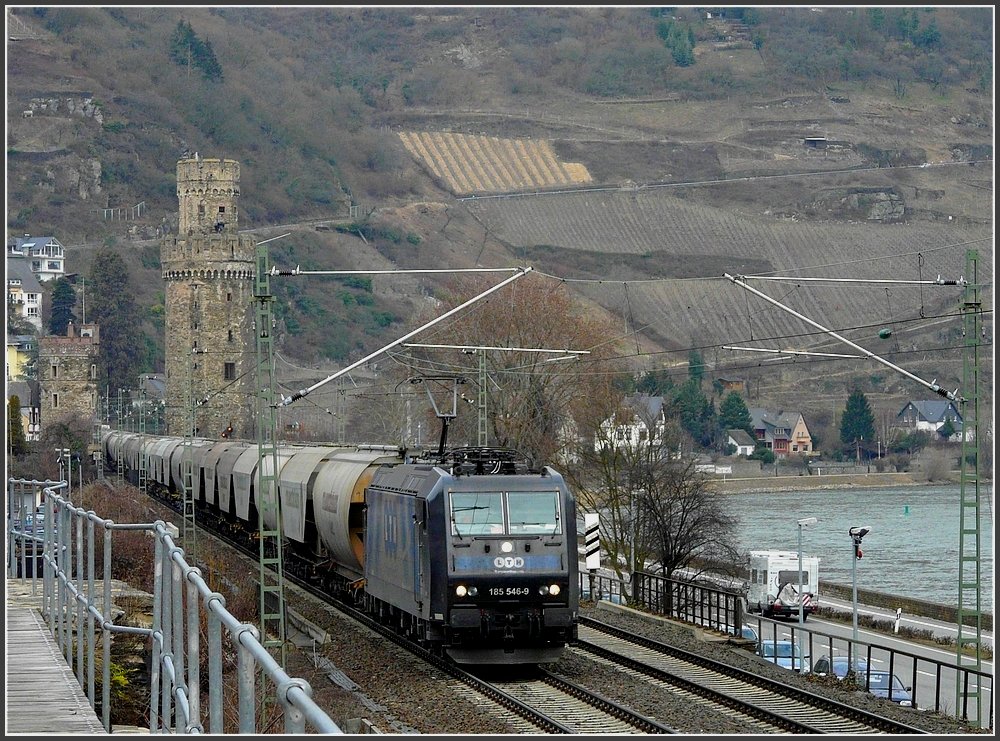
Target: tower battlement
{"x":208,"y":191}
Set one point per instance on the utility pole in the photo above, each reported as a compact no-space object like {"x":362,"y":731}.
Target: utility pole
{"x":188,"y":540}
{"x":271,"y":574}
{"x":143,"y":456}
{"x":969,"y":545}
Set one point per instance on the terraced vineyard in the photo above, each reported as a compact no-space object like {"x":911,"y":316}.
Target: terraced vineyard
{"x":488,"y":164}
{"x":675,"y":254}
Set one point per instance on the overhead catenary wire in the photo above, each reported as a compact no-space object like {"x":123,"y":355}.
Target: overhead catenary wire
{"x":299,"y":394}
{"x":932,"y":385}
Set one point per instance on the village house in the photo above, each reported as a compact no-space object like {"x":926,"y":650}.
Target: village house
{"x":45,"y":255}
{"x":741,"y":440}
{"x":783,"y":433}
{"x":640,"y":419}
{"x":930,"y":416}
{"x":24,"y":293}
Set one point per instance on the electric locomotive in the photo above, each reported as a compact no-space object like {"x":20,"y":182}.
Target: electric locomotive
{"x":476,"y":554}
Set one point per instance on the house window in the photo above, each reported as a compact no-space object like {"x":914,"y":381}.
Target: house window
{"x":55,"y":401}
{"x":53,"y":265}
{"x":230,"y":371}
{"x":32,"y":311}
{"x":32,"y":298}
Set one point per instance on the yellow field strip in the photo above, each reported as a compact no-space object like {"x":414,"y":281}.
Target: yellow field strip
{"x":416,"y":147}
{"x":468,"y":163}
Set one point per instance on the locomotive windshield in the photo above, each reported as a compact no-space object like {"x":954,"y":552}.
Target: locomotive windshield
{"x":476,"y":513}
{"x":533,"y":512}
{"x":482,"y":513}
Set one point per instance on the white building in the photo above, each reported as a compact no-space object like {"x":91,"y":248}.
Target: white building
{"x":24,"y":291}
{"x":45,"y":255}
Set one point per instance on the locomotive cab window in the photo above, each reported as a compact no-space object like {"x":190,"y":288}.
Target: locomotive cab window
{"x":533,"y":512}
{"x":476,"y":513}
{"x":512,"y":513}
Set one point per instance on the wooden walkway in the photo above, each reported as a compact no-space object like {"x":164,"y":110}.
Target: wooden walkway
{"x":43,"y":696}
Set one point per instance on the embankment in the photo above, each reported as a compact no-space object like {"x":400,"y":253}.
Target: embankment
{"x":825,"y":481}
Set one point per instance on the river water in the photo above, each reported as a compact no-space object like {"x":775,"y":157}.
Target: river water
{"x":911,"y":551}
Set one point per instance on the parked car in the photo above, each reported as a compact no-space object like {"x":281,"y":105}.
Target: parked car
{"x":749,"y":633}
{"x":613,"y":597}
{"x":785,"y":654}
{"x":877,"y":680}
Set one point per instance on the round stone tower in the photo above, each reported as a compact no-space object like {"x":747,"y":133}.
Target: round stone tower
{"x":209,"y":273}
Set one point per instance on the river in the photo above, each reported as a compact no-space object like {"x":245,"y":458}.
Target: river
{"x":911,"y":551}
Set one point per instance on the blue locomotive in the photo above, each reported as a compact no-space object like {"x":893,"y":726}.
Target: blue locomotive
{"x":471,"y":552}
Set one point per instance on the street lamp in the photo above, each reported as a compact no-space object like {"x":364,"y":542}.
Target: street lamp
{"x":804,"y":522}
{"x":856,"y":533}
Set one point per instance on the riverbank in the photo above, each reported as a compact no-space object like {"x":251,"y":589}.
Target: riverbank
{"x":826,"y":481}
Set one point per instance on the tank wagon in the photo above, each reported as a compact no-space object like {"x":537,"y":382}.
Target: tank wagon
{"x":470,"y":552}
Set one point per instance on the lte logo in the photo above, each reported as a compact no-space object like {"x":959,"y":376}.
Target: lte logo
{"x":508,"y":562}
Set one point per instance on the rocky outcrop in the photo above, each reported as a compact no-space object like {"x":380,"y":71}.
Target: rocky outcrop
{"x":882,"y":205}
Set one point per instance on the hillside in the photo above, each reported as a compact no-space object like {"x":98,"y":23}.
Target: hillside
{"x":580,"y":141}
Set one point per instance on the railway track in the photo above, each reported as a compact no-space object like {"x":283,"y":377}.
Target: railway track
{"x":543,"y":703}
{"x":770,"y":705}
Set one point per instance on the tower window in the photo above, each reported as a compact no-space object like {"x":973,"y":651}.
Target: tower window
{"x":201,"y":209}
{"x":229,"y":296}
{"x":230,"y":335}
{"x":55,"y":401}
{"x":55,"y":370}
{"x":230,"y":371}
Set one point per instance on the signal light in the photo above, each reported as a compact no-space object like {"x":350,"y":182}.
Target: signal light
{"x":857,"y":552}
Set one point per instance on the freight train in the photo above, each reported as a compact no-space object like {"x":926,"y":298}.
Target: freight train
{"x":472,"y":552}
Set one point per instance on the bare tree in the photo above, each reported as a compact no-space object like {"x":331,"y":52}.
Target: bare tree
{"x":530,"y":398}
{"x":656,"y":510}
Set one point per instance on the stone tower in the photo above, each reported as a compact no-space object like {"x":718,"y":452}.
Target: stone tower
{"x":67,"y":371}
{"x":209,"y":273}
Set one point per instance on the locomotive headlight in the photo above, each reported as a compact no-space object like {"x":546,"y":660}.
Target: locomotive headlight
{"x":506,"y":546}
{"x":461,"y":591}
{"x":473,"y":591}
{"x":549,"y":589}
{"x":554,"y":590}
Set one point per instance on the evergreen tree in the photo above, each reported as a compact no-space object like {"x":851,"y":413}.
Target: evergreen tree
{"x":187,"y":50}
{"x":858,"y":422}
{"x":114,"y":310}
{"x":696,"y":366}
{"x":63,"y":300}
{"x":734,"y":415}
{"x":655,"y":383}
{"x":946,"y":430}
{"x":18,"y":445}
{"x":696,"y":413}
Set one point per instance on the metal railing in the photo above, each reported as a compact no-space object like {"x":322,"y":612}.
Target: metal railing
{"x":76,"y":602}
{"x":724,"y":611}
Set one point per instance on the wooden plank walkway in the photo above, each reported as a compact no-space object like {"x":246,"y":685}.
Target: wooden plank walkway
{"x":42,"y":693}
